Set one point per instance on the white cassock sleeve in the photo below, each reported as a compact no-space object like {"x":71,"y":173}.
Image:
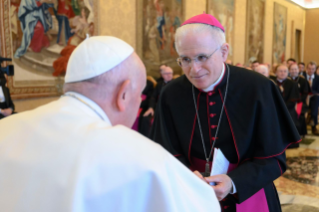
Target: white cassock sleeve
{"x":171,"y":187}
{"x":182,"y":190}
{"x":159,"y":184}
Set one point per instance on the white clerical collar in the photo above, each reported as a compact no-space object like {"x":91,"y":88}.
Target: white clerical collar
{"x":91,"y":104}
{"x":211,"y":88}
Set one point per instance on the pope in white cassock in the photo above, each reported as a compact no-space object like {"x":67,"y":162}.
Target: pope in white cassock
{"x":78,"y":154}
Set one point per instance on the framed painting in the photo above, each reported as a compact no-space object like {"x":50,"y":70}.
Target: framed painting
{"x":279,"y":34}
{"x":157,"y":21}
{"x":224,"y":11}
{"x":255,"y":31}
{"x":39,"y":36}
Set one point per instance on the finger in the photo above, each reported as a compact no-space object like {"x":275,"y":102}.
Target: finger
{"x":219,"y":194}
{"x":215,"y":178}
{"x":198,"y":174}
{"x":146,"y":113}
{"x":222,"y":190}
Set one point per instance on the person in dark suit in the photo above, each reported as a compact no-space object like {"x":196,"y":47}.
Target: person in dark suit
{"x":313,"y":81}
{"x":301,"y":66}
{"x":6,"y":104}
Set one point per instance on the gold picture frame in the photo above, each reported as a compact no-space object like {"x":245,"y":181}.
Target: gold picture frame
{"x":224,"y":11}
{"x":255,"y":31}
{"x":157,"y":22}
{"x":33,"y":70}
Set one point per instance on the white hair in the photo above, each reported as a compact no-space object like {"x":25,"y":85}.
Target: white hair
{"x":263,"y":67}
{"x":217,"y":34}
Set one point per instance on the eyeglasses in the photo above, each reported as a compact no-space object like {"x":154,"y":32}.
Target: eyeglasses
{"x":200,"y":59}
{"x":167,"y":73}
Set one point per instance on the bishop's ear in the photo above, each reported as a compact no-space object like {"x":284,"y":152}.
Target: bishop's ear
{"x":224,"y":50}
{"x":122,"y":96}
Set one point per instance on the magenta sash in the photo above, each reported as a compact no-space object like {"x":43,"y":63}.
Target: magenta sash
{"x":136,"y":123}
{"x":257,"y":202}
{"x":299,"y":108}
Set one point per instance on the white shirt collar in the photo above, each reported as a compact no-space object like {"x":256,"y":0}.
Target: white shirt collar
{"x":311,"y":77}
{"x":94,"y":106}
{"x":280,"y":80}
{"x":211,"y":87}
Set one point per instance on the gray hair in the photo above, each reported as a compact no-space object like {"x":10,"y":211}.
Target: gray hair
{"x":217,"y":34}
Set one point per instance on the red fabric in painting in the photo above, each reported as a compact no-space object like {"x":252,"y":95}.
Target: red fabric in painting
{"x":65,"y":9}
{"x":61,"y":63}
{"x":39,"y":38}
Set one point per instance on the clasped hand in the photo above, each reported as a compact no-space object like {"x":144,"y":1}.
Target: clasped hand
{"x":223,"y":184}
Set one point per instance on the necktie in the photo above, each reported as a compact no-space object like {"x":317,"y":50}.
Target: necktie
{"x":310,"y":82}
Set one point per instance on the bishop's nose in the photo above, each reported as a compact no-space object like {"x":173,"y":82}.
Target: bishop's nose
{"x":195,"y":66}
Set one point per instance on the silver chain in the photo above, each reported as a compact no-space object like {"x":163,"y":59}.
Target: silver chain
{"x":220,"y":118}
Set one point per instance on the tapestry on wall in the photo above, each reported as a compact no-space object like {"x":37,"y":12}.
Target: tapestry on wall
{"x":224,"y":11}
{"x":255,"y":31}
{"x":157,"y":23}
{"x":42,"y":36}
{"x":279,"y":33}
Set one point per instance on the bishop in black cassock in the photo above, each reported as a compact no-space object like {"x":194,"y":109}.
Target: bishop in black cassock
{"x":289,"y":91}
{"x":304,"y":89}
{"x":254,"y":130}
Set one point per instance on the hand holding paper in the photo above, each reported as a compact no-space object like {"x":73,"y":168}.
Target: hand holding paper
{"x":220,"y":163}
{"x":221,"y":183}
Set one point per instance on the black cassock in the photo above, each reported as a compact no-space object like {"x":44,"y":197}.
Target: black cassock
{"x":255,"y":130}
{"x":145,"y":123}
{"x":304,"y":89}
{"x":290,"y":94}
{"x":155,"y":95}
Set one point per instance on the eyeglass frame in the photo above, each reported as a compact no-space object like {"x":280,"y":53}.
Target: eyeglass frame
{"x":168,"y":73}
{"x":196,"y":58}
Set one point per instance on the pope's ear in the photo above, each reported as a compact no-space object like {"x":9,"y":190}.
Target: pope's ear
{"x":122,"y":98}
{"x":224,"y":50}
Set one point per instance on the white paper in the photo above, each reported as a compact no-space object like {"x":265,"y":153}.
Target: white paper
{"x":220,"y":163}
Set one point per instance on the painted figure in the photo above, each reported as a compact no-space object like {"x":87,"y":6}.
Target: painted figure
{"x":64,"y":13}
{"x":159,"y":5}
{"x":152,"y":40}
{"x":35,"y":20}
{"x":80,"y":32}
